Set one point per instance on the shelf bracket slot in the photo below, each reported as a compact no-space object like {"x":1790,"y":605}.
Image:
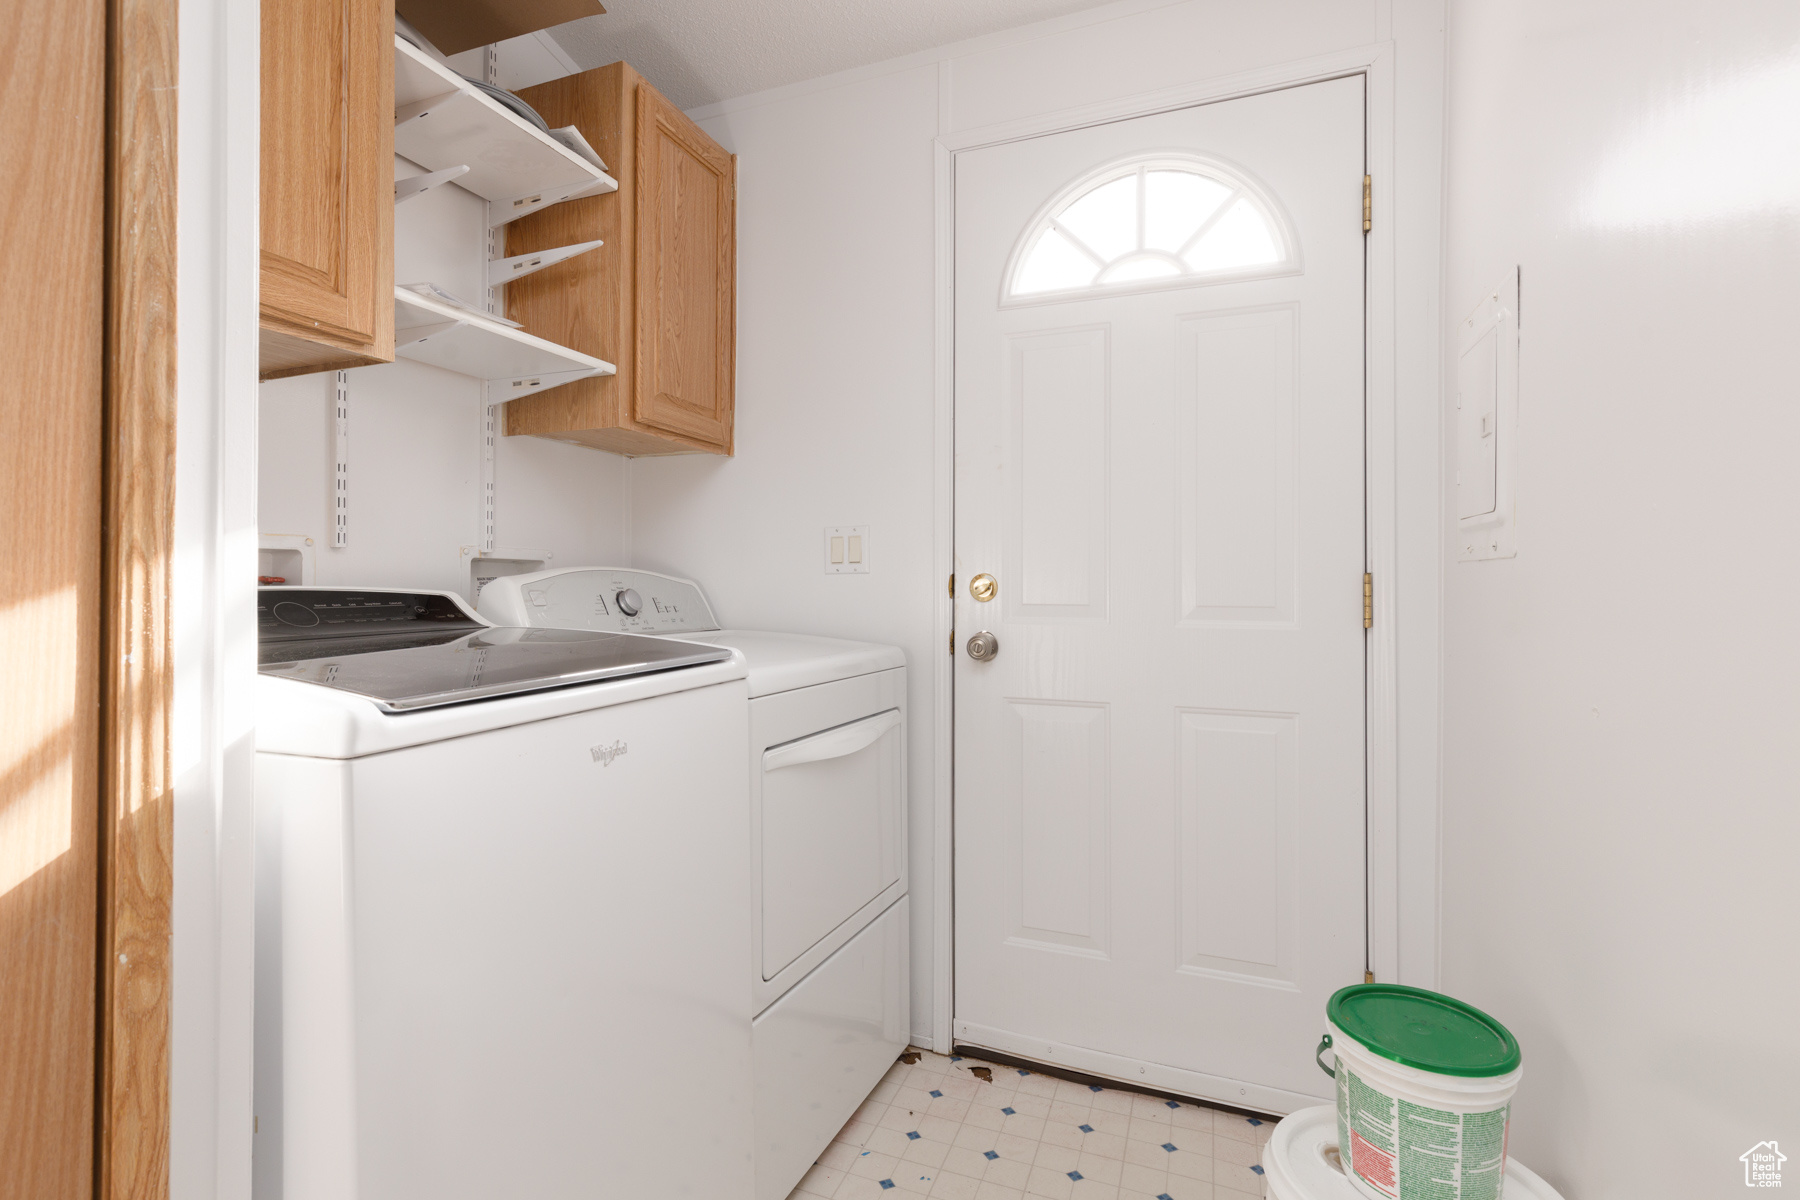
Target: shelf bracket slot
{"x":503,"y":270}
{"x":417,"y":185}
{"x":340,"y":486}
{"x":502,"y":212}
{"x":525,"y":385}
{"x":418,"y":333}
{"x":418,"y":110}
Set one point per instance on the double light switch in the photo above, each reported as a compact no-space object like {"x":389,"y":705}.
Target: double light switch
{"x":847,"y":550}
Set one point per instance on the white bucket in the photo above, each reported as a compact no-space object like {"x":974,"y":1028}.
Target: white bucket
{"x":1301,"y":1162}
{"x":1408,"y":1134}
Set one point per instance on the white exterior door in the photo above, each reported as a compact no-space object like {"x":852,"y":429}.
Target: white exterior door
{"x":1159,"y":443}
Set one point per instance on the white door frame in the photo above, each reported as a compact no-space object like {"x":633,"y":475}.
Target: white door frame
{"x":1376,"y":62}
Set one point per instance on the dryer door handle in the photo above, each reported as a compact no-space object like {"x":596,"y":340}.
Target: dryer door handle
{"x":833,"y":743}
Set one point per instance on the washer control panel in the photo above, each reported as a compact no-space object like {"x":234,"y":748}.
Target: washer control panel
{"x":606,"y":598}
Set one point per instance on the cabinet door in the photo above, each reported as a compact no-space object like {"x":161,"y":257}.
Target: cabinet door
{"x":327,"y":179}
{"x":686,"y":283}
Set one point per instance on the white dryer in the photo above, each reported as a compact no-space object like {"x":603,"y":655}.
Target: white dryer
{"x":829,"y":989}
{"x":501,"y":928}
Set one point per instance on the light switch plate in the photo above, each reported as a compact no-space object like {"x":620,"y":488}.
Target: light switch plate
{"x":1487,"y":426}
{"x":846,"y":549}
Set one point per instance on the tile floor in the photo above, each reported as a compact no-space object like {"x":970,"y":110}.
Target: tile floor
{"x":935,"y":1128}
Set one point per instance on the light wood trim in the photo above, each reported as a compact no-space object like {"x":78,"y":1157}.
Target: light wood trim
{"x":583,"y":303}
{"x":137,"y":688}
{"x":52,"y":329}
{"x":685,"y":413}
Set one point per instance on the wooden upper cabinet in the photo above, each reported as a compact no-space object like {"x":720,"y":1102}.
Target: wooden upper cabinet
{"x":327,"y":184}
{"x":686,"y":246}
{"x":658,"y":300}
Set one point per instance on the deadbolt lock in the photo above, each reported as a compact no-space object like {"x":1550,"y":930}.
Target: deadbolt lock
{"x":984,"y":587}
{"x":983,"y":646}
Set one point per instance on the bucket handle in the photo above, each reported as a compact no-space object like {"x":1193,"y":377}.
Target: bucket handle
{"x":1319,"y":1055}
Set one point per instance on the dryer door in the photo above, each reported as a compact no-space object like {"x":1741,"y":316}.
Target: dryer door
{"x":832,"y":801}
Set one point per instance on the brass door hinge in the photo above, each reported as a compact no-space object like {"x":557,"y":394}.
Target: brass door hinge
{"x":1368,"y":600}
{"x":1368,"y":202}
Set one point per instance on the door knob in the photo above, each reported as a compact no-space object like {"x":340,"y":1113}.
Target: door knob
{"x":984,"y":587}
{"x":983,"y":646}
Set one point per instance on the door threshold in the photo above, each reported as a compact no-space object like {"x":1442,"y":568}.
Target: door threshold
{"x":1097,"y":1068}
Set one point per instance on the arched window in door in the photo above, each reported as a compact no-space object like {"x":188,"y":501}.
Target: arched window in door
{"x":1167,"y":221}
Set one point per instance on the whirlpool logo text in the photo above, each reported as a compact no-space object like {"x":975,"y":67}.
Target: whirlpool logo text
{"x":604,"y":755}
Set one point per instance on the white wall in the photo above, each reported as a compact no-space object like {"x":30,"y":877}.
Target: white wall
{"x":415,"y":446}
{"x":837,"y":344}
{"x":1620,"y":753}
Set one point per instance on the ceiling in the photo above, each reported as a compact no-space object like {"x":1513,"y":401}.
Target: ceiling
{"x":697,"y":52}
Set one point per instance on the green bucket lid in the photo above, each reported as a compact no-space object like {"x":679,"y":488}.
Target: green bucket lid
{"x":1424,"y":1029}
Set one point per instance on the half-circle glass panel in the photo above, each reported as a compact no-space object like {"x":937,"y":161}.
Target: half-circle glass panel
{"x":1176,"y":204}
{"x":1160,"y":221}
{"x":1054,"y":265}
{"x":1239,"y":238}
{"x":1105,"y":220}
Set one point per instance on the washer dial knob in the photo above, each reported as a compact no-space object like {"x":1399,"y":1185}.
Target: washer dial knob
{"x":629,"y":602}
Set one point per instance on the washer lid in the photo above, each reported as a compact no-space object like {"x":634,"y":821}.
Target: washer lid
{"x":426,"y":669}
{"x":407,"y":650}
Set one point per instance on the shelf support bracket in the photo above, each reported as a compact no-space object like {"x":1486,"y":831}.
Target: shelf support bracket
{"x":525,"y":385}
{"x":501,"y":270}
{"x":418,"y":110}
{"x":416,"y":185}
{"x":418,"y":333}
{"x":502,"y":212}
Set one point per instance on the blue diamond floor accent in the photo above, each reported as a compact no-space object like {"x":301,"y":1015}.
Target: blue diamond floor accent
{"x":913,"y":1136}
{"x":1257,"y":1169}
{"x":1171,"y":1147}
{"x":1074,"y":1174}
{"x":1007,"y":1111}
{"x":1085,"y":1128}
{"x":989,"y":1155}
{"x":936,"y":1095}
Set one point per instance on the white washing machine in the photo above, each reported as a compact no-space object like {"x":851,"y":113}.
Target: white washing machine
{"x":828,"y":988}
{"x":501,"y":929}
